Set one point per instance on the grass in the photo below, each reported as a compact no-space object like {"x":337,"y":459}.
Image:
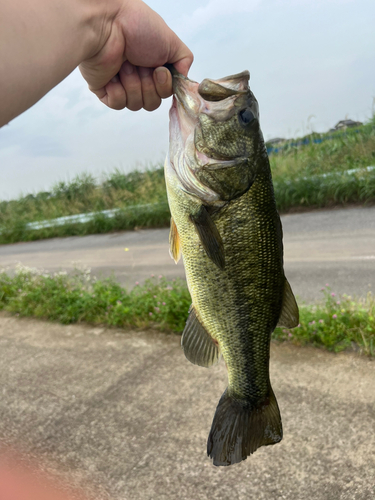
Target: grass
{"x":338,"y":324}
{"x":127,"y":218}
{"x":338,"y":189}
{"x":129,"y":193}
{"x":315,"y":175}
{"x":297,"y":174}
{"x":345,"y":150}
{"x":81,"y":298}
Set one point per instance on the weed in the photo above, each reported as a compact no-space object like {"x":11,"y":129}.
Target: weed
{"x":355,"y":148}
{"x":81,"y":298}
{"x":338,"y":324}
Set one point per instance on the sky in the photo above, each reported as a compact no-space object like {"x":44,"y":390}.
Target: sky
{"x":312,"y":63}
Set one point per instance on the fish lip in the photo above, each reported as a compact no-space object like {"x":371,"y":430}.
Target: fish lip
{"x":217,"y":158}
{"x":189,"y":100}
{"x":212,"y":163}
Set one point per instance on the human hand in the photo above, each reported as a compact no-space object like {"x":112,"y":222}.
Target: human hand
{"x":127,"y":70}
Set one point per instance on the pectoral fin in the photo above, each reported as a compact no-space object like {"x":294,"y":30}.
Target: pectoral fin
{"x":289,"y":317}
{"x":198,"y":345}
{"x":209,"y":236}
{"x":174,"y":242}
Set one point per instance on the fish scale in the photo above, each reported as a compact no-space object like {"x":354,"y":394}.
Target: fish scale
{"x":233,"y":257}
{"x":247,"y":292}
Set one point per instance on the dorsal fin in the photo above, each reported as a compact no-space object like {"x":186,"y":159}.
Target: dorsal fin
{"x":289,"y":316}
{"x":198,"y":345}
{"x":209,"y":236}
{"x":174,"y":242}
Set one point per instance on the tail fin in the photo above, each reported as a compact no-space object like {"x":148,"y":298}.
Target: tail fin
{"x":238,"y":430}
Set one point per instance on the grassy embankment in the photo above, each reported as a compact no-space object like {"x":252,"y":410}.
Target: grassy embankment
{"x":126,"y":192}
{"x":315,"y":175}
{"x":297,"y":174}
{"x":337,"y":324}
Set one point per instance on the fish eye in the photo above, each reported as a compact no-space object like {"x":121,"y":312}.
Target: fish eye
{"x":246,"y":116}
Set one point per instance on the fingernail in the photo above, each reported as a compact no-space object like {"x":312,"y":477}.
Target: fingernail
{"x":144,"y":71}
{"x":115,"y":79}
{"x":161,"y":75}
{"x":128,"y":68}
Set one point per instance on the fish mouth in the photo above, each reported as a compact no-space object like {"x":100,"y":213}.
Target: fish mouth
{"x":219,"y":90}
{"x":188,"y":153}
{"x":195,"y":97}
{"x":191,"y":99}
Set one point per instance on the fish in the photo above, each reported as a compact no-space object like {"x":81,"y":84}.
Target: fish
{"x":225,"y":225}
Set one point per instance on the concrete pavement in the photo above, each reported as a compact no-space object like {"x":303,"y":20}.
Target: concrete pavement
{"x":127,"y":414}
{"x":335,"y":246}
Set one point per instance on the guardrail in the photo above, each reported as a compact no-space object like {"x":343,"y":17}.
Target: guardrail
{"x":87,"y":217}
{"x":348,"y":172}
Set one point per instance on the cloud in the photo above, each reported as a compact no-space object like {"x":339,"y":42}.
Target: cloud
{"x":203,"y":16}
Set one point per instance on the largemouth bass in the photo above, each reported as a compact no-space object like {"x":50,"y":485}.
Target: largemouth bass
{"x":225,"y":224}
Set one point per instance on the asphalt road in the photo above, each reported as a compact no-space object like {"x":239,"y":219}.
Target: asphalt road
{"x":335,"y":247}
{"x":127,"y":416}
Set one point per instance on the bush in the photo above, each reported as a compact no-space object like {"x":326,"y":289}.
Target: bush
{"x":337,"y":324}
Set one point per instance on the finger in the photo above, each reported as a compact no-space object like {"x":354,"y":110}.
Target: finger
{"x":132,"y":84}
{"x":112,"y":95}
{"x":115,"y":97}
{"x":151,"y":100}
{"x":163,"y":82}
{"x":181,"y":57}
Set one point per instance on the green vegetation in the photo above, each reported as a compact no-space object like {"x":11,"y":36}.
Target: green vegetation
{"x":344,"y":150}
{"x":141,"y":200}
{"x":333,"y":190}
{"x":338,"y":324}
{"x":81,"y":298}
{"x":315,"y":175}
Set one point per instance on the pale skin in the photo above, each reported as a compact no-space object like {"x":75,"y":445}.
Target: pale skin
{"x":120,"y":47}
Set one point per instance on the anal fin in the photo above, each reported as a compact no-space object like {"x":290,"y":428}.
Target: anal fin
{"x":174,"y":242}
{"x":209,"y":236}
{"x":289,"y":316}
{"x":198,"y":345}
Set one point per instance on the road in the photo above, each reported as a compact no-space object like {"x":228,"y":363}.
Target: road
{"x":335,"y":247}
{"x":127,"y":416}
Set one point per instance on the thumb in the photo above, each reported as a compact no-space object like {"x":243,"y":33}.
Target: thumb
{"x":180,"y":56}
